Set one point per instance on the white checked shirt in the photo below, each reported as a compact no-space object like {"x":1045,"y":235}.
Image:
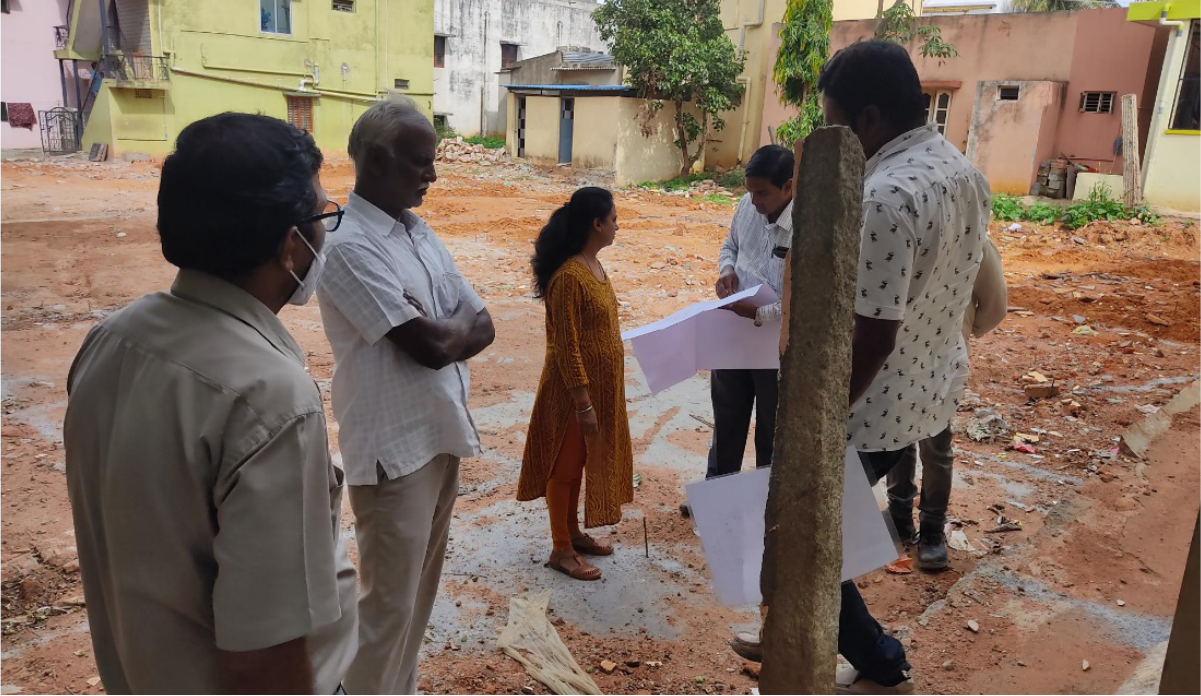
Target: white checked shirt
{"x":748,"y":250}
{"x":391,"y":410}
{"x":925,"y":215}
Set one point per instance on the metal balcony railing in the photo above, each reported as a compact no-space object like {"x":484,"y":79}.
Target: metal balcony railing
{"x":61,"y":34}
{"x":127,"y":68}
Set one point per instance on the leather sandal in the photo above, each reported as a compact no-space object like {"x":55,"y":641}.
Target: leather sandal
{"x":585,"y":544}
{"x":580,"y":570}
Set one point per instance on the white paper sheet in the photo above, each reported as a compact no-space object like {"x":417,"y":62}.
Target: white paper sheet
{"x":729,"y":513}
{"x":704,"y":336}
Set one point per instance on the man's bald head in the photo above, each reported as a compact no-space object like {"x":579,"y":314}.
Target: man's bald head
{"x":386,"y":127}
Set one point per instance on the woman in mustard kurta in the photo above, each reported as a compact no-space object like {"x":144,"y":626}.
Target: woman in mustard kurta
{"x":579,"y":427}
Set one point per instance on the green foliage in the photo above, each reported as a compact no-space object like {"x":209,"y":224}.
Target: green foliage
{"x":1007,"y":208}
{"x":491,"y":142}
{"x":676,"y":51}
{"x":899,"y":25}
{"x":444,"y":130}
{"x":1100,"y":205}
{"x":804,"y":48}
{"x":734,"y":179}
{"x":1058,"y":5}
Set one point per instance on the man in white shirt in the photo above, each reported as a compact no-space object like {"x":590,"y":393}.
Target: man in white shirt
{"x":402,"y":322}
{"x":925,"y":215}
{"x":984,"y":313}
{"x":753,"y":254}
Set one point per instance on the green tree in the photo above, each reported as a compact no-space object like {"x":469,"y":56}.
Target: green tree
{"x":805,"y":47}
{"x":676,"y":51}
{"x":1058,"y":5}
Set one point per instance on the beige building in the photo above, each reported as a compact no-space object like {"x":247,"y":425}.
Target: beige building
{"x":752,"y":26}
{"x":1172,"y":156}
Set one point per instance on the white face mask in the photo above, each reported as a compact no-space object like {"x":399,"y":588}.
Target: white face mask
{"x":308,"y":286}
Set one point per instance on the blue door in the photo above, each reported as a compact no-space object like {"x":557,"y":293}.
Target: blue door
{"x":566,"y":119}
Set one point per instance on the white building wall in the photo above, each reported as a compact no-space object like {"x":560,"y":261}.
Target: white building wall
{"x":466,"y":90}
{"x":30,"y":70}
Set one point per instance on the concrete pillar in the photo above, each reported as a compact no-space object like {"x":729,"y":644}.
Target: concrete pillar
{"x":802,"y":561}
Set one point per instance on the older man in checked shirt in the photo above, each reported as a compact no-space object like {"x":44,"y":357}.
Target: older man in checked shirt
{"x":753,"y":254}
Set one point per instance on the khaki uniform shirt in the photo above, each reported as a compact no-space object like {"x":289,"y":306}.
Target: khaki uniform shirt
{"x":205,"y":501}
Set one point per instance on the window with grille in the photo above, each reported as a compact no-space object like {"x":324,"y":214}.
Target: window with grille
{"x":343,"y":6}
{"x":300,"y":113}
{"x":938,"y":109}
{"x":400,"y":83}
{"x":275,"y":16}
{"x":143,"y":94}
{"x":1097,"y":102}
{"x":1186,"y":114}
{"x":1008,"y":93}
{"x":508,"y":55}
{"x":439,"y":51}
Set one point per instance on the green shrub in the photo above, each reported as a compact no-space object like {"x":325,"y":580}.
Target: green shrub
{"x":492,"y":142}
{"x":733,"y":179}
{"x":1100,"y":205}
{"x":444,"y":130}
{"x":1007,"y":208}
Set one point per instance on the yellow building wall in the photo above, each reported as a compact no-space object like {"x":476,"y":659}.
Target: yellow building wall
{"x":1171,"y":159}
{"x":221,"y":61}
{"x":542,"y":129}
{"x":640,"y":158}
{"x":594,"y":134}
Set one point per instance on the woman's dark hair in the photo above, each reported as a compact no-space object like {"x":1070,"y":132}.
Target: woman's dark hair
{"x":771,"y":162}
{"x":231,"y":190}
{"x":567,"y":232}
{"x":875,"y":73}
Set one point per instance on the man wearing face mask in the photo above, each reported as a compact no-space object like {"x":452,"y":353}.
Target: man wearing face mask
{"x":204,"y":498}
{"x":403,"y":322}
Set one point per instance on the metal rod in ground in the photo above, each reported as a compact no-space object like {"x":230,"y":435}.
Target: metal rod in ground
{"x":646,"y":539}
{"x":802,"y":560}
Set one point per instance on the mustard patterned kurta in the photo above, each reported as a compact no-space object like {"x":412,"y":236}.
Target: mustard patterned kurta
{"x":583,"y":347}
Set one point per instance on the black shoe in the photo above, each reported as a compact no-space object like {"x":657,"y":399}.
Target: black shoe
{"x":905,"y":529}
{"x":685,"y":510}
{"x":932,"y":549}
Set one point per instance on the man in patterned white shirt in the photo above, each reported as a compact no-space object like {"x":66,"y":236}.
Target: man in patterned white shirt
{"x":925,"y":214}
{"x":402,"y":322}
{"x":753,"y":254}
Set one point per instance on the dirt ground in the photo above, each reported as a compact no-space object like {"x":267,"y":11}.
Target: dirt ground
{"x":1091,"y":575}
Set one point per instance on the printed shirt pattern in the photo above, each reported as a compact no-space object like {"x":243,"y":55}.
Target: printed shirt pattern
{"x":925,"y":215}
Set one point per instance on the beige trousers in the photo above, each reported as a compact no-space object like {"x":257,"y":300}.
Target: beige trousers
{"x":401,"y":526}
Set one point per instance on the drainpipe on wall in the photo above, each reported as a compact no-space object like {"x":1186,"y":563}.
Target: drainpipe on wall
{"x":484,"y":72}
{"x":106,"y":45}
{"x":746,"y":106}
{"x":1162,"y":92}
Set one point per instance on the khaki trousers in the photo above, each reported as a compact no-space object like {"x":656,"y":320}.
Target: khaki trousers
{"x":401,"y":526}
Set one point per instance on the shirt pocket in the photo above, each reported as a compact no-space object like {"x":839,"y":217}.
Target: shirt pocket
{"x":447,"y":291}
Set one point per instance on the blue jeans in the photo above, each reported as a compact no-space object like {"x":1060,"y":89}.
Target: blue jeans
{"x":877,"y":655}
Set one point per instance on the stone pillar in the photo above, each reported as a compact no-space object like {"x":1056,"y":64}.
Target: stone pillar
{"x":802,"y":561}
{"x":1180,"y":670}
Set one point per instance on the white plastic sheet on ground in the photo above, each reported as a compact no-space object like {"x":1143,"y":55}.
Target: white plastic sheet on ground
{"x":530,"y":639}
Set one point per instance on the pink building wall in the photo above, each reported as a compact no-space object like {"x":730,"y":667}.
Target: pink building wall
{"x":28,"y":68}
{"x":1092,"y":50}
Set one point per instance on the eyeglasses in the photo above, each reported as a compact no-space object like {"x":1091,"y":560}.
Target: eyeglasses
{"x":330,"y":218}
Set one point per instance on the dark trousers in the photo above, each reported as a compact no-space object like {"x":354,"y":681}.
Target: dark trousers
{"x":938,"y":464}
{"x":877,"y":655}
{"x":736,"y":393}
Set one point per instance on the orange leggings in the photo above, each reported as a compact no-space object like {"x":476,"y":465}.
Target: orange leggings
{"x":563,"y":487}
